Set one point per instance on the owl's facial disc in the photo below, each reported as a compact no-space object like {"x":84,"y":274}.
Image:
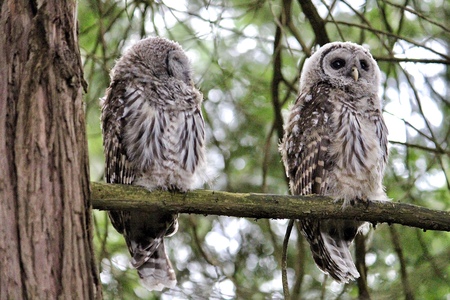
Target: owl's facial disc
{"x":350,"y":66}
{"x":344,"y":67}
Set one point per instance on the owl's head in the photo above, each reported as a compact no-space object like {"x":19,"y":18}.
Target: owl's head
{"x":157,"y":58}
{"x":343,"y":65}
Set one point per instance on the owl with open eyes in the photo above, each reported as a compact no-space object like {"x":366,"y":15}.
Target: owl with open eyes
{"x":153,"y":136}
{"x":335,"y":144}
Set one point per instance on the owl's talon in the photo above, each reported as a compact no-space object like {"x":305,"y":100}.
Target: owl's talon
{"x":364,"y":201}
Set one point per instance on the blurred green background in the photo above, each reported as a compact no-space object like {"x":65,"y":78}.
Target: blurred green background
{"x":247,"y":57}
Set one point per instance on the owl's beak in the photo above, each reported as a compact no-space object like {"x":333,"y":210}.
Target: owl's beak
{"x":355,"y":73}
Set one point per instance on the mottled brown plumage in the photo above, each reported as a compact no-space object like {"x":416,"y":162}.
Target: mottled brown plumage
{"x":153,"y":136}
{"x":335,"y":144}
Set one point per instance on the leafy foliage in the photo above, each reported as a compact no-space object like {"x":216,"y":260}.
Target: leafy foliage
{"x":247,"y":57}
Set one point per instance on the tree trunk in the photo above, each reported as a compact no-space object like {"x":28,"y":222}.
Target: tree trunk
{"x":45,"y":234}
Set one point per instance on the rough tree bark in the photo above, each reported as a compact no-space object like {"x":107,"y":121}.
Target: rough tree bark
{"x":45,"y":238}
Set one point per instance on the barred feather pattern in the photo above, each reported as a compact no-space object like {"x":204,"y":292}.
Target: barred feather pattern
{"x":335,"y":144}
{"x":154,"y":137}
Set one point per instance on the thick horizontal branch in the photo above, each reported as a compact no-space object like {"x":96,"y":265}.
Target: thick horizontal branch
{"x":124,"y":197}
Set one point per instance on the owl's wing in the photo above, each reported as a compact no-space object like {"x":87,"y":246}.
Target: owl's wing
{"x":192,"y":140}
{"x":118,"y":168}
{"x":305,"y":154}
{"x":382,"y":134}
{"x":306,"y":143}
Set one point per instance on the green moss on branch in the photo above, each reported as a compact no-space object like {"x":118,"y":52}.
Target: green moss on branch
{"x":250,"y":205}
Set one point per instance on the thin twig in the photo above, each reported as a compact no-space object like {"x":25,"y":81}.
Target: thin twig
{"x":424,"y":148}
{"x":409,"y":295}
{"x":412,"y":60}
{"x":421,"y":16}
{"x":360,"y":260}
{"x":284,"y":277}
{"x":300,"y":265}
{"x":447,"y":58}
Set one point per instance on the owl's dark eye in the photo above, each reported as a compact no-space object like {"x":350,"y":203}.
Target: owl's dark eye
{"x":364,"y":65}
{"x":338,"y":63}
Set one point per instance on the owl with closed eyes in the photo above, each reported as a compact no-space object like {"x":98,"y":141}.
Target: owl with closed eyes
{"x":335,"y":144}
{"x":153,"y":136}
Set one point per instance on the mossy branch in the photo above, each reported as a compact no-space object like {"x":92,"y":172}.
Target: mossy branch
{"x":250,"y":205}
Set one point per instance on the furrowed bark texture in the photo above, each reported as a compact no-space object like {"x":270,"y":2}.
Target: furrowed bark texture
{"x":115,"y":196}
{"x":45,"y":238}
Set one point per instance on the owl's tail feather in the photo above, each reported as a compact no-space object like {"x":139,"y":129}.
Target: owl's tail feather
{"x":154,"y":267}
{"x":339,"y":263}
{"x":331,"y":254}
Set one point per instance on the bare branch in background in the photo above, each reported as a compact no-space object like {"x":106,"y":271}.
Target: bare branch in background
{"x":317,"y":23}
{"x":409,"y":295}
